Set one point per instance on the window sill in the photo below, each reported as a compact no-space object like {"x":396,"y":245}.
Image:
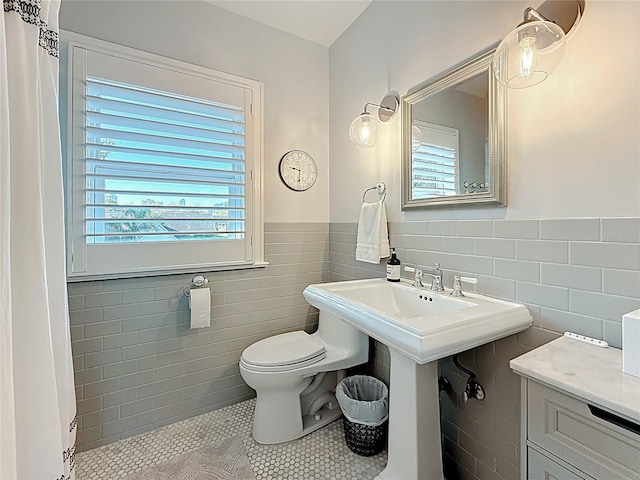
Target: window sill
{"x":157,"y":273}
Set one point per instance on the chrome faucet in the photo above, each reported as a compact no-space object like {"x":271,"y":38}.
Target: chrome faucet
{"x":436,"y":284}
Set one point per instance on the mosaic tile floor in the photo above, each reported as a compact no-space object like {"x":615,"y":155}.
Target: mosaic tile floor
{"x":322,"y":455}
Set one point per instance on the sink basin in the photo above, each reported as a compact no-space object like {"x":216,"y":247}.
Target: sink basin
{"x":423,"y":325}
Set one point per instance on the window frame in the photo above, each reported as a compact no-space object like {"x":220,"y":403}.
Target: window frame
{"x":77,"y":247}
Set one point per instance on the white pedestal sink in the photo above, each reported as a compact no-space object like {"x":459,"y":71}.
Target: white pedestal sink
{"x":419,"y":327}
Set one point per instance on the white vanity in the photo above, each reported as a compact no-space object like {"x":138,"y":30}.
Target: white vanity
{"x":580,"y":413}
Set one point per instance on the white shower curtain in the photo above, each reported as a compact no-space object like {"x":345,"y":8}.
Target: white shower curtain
{"x":37,"y":397}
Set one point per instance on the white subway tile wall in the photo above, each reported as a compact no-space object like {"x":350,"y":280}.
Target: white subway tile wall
{"x":138,"y":365}
{"x":573,"y":274}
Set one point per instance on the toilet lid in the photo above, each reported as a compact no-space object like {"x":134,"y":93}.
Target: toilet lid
{"x":293,"y":349}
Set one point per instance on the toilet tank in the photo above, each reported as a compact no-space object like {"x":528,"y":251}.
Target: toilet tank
{"x":337,"y":333}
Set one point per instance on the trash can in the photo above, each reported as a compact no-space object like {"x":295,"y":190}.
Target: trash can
{"x":364,"y":401}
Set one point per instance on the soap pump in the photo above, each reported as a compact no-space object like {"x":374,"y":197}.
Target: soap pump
{"x":393,"y":267}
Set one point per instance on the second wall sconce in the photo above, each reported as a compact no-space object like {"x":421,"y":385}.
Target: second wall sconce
{"x":531,"y":52}
{"x":365,"y":129}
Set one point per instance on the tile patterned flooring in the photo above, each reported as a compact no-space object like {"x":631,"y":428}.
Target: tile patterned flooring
{"x":322,"y":455}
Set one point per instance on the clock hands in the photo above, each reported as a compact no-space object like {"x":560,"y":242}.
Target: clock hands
{"x":299,"y":170}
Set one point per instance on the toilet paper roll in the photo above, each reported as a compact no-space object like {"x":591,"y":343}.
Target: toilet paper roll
{"x":200,"y":304}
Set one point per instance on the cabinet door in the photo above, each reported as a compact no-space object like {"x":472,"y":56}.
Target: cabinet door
{"x":542,"y":468}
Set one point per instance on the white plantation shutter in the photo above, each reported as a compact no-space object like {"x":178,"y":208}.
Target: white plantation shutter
{"x":435,"y":162}
{"x":161,"y":166}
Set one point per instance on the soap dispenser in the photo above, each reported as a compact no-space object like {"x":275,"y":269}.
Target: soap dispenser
{"x":393,"y":267}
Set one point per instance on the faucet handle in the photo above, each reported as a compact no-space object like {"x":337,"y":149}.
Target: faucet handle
{"x":417,"y":279}
{"x":457,"y":285}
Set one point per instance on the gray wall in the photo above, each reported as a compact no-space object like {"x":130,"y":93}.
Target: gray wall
{"x":555,"y":247}
{"x":564,"y":134}
{"x":138,"y":365}
{"x":296,"y":112}
{"x":573,"y":274}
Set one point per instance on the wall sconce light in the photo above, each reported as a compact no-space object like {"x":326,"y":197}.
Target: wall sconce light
{"x":364,"y":131}
{"x":531,"y":52}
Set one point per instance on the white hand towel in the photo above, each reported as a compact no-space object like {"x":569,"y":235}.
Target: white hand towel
{"x":373,"y":236}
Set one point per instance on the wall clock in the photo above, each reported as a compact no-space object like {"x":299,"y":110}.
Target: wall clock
{"x":298,"y":170}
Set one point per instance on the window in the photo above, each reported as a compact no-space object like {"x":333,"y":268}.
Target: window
{"x":435,"y":162}
{"x":164,"y":165}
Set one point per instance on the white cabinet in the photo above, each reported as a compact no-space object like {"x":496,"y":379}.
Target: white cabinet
{"x":563,"y":430}
{"x":573,"y":426}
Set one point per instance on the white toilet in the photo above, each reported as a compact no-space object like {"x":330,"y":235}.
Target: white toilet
{"x":295,"y":375}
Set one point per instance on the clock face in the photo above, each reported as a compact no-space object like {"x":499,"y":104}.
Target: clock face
{"x":298,"y":170}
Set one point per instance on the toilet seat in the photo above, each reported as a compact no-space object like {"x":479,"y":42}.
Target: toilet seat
{"x":283,"y":352}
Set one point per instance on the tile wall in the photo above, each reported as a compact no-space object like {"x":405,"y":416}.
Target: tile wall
{"x":573,"y":274}
{"x":138,"y":365}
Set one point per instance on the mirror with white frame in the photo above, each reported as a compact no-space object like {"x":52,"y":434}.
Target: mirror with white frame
{"x":454,"y":139}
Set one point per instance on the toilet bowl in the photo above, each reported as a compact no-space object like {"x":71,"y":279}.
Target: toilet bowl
{"x":295,"y":375}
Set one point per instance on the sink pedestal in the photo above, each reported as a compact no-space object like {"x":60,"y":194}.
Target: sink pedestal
{"x":414,"y":421}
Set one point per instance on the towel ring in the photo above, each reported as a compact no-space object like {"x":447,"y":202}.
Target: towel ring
{"x":380,"y":187}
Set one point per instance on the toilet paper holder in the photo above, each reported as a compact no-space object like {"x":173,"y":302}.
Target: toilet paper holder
{"x":196,"y":282}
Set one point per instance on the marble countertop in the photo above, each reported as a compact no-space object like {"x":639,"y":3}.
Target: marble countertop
{"x":591,"y":373}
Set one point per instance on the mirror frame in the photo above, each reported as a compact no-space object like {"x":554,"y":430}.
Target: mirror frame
{"x":497,"y":136}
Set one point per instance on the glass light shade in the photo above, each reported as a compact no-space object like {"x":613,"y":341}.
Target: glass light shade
{"x":364,"y":131}
{"x":529,"y":54}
